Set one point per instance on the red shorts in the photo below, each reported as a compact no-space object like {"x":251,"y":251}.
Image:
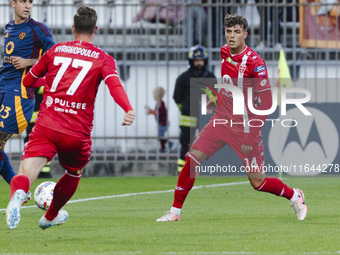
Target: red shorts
{"x":73,"y":152}
{"x":211,"y":139}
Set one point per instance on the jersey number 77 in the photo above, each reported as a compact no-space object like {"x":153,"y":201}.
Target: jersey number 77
{"x":65,"y":63}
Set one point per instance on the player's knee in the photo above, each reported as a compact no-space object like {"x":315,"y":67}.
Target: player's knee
{"x":76,"y":173}
{"x":256,"y":182}
{"x":199,"y":155}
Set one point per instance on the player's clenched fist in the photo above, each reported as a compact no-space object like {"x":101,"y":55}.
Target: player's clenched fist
{"x":128,"y":118}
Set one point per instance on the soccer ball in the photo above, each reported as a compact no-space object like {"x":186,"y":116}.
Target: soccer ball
{"x":43,"y":194}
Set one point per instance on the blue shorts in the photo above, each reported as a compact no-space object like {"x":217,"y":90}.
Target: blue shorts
{"x":15,"y":113}
{"x":162,"y":130}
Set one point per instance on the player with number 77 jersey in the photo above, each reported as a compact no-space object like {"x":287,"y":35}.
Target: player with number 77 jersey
{"x":73,"y":72}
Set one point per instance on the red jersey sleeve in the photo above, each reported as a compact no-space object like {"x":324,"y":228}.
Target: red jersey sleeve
{"x":37,"y":71}
{"x":111,"y":78}
{"x":263,"y":89}
{"x":260,"y":73}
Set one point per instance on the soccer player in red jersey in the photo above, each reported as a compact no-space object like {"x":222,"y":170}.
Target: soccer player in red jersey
{"x":242,"y":68}
{"x":73,"y":71}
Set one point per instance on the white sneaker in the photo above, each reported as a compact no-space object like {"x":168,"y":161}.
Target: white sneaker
{"x":169,"y":217}
{"x":60,"y":219}
{"x":300,"y":206}
{"x":13,"y":208}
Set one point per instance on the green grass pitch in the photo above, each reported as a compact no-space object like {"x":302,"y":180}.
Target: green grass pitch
{"x":215,"y":220}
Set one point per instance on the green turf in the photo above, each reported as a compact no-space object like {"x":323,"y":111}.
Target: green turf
{"x":215,"y":220}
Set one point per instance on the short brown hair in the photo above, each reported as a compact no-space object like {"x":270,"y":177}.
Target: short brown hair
{"x":235,"y":19}
{"x":16,"y":0}
{"x":85,"y":20}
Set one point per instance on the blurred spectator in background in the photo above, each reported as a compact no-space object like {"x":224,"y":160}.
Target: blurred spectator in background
{"x":184,"y":93}
{"x":324,"y":17}
{"x":195,"y":23}
{"x":218,"y":11}
{"x":271,"y":18}
{"x":164,"y":11}
{"x":161,"y":114}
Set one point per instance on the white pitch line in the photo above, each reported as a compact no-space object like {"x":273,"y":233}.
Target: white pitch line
{"x":142,"y":193}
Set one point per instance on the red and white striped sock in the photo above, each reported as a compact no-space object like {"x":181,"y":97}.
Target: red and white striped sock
{"x":277,"y":187}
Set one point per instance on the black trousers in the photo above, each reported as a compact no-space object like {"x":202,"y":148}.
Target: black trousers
{"x":186,"y":138}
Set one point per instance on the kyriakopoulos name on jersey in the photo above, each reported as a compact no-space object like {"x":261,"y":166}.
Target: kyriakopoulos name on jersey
{"x":64,"y":103}
{"x":77,"y":50}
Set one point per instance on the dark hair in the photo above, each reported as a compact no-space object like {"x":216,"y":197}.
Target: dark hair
{"x":235,"y":19}
{"x":85,"y":20}
{"x":27,"y":0}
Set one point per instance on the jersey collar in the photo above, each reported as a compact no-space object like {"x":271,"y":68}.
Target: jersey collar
{"x":233,"y":55}
{"x":28,"y":19}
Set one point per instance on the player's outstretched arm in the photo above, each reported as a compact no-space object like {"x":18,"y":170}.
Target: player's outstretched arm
{"x":128,"y":118}
{"x":34,"y":78}
{"x":150,"y":111}
{"x":119,"y":95}
{"x":32,"y":81}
